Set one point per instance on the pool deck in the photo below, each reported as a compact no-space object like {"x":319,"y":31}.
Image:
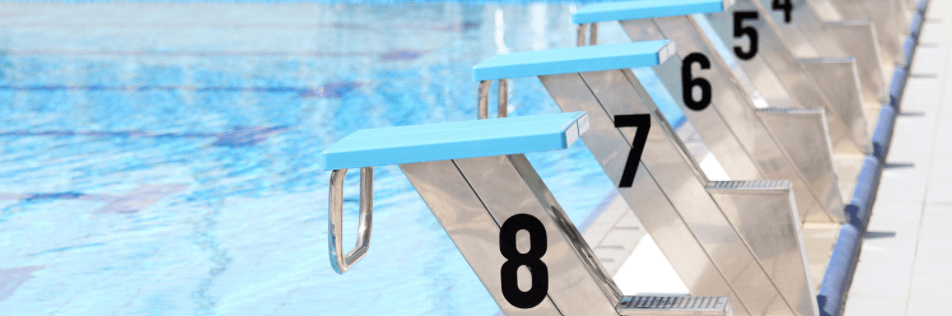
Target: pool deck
{"x":904,"y":264}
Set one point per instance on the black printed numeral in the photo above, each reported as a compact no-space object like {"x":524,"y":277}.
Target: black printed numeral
{"x":643,"y":123}
{"x":688,"y":82}
{"x":740,"y":31}
{"x":786,"y":6}
{"x":531,"y":259}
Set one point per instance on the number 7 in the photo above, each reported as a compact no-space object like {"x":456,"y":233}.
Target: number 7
{"x":643,"y":123}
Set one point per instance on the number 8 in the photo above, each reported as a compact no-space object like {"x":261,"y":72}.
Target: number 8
{"x":531,"y":259}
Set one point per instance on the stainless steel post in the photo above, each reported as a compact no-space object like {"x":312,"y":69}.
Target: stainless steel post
{"x":482,"y":111}
{"x":503,"y":106}
{"x":580,"y":38}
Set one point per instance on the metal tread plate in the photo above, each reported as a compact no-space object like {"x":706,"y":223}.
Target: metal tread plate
{"x":674,"y":305}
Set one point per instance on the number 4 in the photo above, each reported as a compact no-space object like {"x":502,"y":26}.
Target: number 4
{"x":786,"y":7}
{"x":643,"y":123}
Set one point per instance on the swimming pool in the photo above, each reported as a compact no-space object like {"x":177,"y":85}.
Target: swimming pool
{"x":162,"y":158}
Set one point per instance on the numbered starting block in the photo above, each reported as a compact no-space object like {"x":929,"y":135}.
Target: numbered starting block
{"x":889,"y":18}
{"x":778,"y":77}
{"x":779,"y":91}
{"x":751,"y":142}
{"x":784,"y":80}
{"x":739,"y":239}
{"x":815,"y":29}
{"x":475,"y":179}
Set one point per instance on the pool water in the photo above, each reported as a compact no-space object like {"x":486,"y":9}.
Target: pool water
{"x":163,"y":158}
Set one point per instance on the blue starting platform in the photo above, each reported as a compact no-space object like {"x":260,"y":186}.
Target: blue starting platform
{"x":575,"y":59}
{"x":455,"y":140}
{"x":632,"y":10}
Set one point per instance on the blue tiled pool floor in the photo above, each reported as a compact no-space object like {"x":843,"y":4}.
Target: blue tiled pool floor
{"x":162,"y":159}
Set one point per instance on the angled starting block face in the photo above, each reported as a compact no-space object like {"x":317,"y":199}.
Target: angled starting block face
{"x":730,"y":124}
{"x":497,"y":210}
{"x":890,"y":18}
{"x":783,"y":80}
{"x":808,"y":35}
{"x":723,"y":238}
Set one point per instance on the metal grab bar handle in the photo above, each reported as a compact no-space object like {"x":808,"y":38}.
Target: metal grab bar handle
{"x":503,"y":107}
{"x":593,"y":37}
{"x":483,"y":98}
{"x":335,"y":213}
{"x":593,"y":34}
{"x":580,"y":39}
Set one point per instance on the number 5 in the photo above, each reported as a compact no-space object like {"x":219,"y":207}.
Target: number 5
{"x":740,"y":30}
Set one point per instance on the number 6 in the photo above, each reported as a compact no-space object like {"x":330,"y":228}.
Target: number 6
{"x":688,"y":83}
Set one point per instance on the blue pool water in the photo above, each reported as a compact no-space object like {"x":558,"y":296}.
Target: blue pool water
{"x":162,"y":159}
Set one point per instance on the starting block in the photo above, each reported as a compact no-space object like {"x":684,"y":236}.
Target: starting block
{"x":732,"y":126}
{"x":732,"y":238}
{"x":890,"y":18}
{"x":475,"y":179}
{"x":816,"y":30}
{"x":775,"y":73}
{"x":785,"y":81}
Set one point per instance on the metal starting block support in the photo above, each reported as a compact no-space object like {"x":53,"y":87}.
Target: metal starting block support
{"x":476,"y":181}
{"x":775,"y":73}
{"x":732,"y":238}
{"x":785,"y":81}
{"x":891,"y":18}
{"x":804,"y":81}
{"x":750,"y":142}
{"x":812,"y":35}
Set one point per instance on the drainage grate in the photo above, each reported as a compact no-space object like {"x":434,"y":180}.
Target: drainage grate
{"x":748,"y":187}
{"x":675,"y":305}
{"x":787,"y":111}
{"x":748,"y":184}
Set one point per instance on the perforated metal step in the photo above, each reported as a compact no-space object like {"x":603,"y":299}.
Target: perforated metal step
{"x":670,"y":305}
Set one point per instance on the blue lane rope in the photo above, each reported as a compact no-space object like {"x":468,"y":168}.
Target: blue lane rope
{"x":840,"y":269}
{"x":895,"y":87}
{"x":916,"y":25}
{"x":842,"y":265}
{"x":864,"y":194}
{"x":883,"y":133}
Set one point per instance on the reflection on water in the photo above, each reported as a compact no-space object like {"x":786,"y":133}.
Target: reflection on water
{"x":197,"y":127}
